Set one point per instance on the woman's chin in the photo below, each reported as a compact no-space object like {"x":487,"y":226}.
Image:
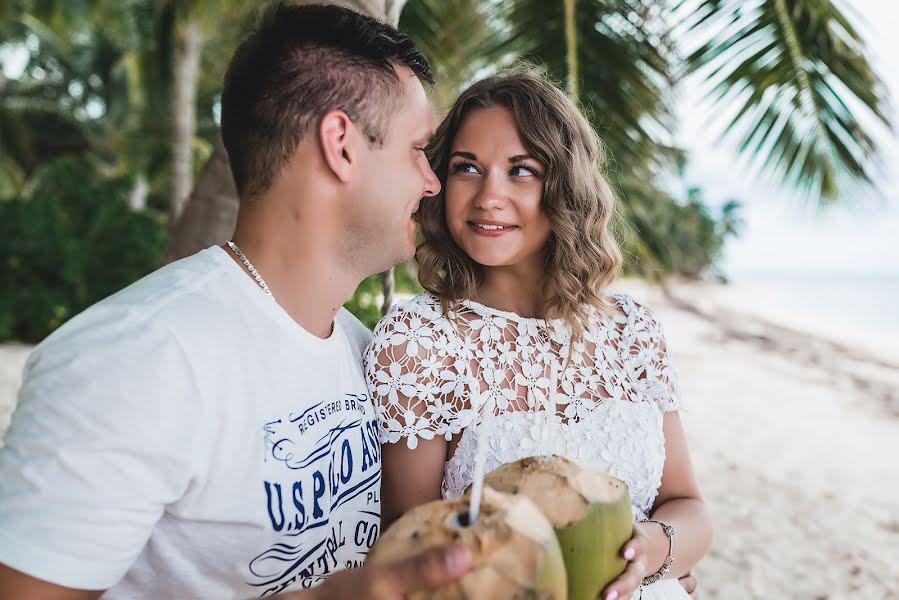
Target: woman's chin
{"x":489,"y":254}
{"x":490,"y":260}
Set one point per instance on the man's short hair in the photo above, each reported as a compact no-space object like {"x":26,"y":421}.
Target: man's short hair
{"x":299,"y":63}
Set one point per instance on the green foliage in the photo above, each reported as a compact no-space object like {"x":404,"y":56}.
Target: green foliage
{"x":625,"y":69}
{"x":99,"y":80}
{"x":366,"y":301}
{"x":70,"y":242}
{"x":661,"y":236}
{"x":456,"y":37}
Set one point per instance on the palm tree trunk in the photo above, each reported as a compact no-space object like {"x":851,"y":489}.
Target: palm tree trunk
{"x":571,"y":48}
{"x":388,"y":285}
{"x":210,"y":212}
{"x":184,"y":114}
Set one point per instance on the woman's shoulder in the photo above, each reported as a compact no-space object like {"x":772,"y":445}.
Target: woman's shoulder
{"x":629,"y":307}
{"x":423,"y":310}
{"x":623,"y":313}
{"x":425,"y":306}
{"x":634,"y":319}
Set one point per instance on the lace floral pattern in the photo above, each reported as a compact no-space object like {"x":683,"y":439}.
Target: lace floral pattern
{"x":598,"y":400}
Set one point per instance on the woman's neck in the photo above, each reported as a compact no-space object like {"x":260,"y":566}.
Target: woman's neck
{"x":512,"y":290}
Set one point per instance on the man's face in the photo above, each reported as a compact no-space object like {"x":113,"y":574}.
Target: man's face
{"x":391,"y":180}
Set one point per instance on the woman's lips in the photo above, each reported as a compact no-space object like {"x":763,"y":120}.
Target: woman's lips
{"x":490,"y":229}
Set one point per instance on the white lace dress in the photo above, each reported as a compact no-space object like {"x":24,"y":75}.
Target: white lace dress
{"x":436,"y":376}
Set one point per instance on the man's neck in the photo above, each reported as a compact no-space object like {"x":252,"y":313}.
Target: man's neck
{"x":307,"y":283}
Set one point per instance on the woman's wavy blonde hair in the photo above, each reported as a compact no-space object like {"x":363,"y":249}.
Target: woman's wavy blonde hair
{"x":582,"y":257}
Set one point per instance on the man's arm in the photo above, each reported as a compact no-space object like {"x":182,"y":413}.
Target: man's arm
{"x":15,"y":585}
{"x":88,"y":466}
{"x":375,"y":582}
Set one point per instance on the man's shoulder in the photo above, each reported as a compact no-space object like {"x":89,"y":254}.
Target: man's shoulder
{"x":172,"y":298}
{"x":358,"y":334}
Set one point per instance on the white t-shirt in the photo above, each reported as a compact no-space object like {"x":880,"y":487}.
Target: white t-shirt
{"x":185,"y":438}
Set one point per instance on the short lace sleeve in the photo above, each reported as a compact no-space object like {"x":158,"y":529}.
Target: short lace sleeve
{"x":417,"y":374}
{"x":648,"y":359}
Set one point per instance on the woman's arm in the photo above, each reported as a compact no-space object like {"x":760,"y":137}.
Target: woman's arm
{"x":679,"y":504}
{"x":410,"y":476}
{"x":403,"y":371}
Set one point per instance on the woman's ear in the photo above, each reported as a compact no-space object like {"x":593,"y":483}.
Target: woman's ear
{"x":335,"y":133}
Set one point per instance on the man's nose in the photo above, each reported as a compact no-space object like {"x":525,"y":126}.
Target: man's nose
{"x":432,"y":182}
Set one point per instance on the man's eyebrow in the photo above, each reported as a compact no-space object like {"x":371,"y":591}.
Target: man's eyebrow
{"x":464,"y":154}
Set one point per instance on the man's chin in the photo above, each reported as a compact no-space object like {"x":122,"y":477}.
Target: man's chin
{"x":408,"y":252}
{"x":398,"y":259}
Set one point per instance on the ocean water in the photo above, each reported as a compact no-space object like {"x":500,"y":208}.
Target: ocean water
{"x":860,"y":310}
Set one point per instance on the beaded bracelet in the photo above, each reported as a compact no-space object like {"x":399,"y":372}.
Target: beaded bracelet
{"x":669,"y":560}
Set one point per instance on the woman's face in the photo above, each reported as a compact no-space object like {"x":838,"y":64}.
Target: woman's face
{"x":493,"y":193}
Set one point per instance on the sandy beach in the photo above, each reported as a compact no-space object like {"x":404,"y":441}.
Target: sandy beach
{"x":795,"y":439}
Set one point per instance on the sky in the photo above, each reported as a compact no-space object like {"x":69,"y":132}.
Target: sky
{"x":783,"y":233}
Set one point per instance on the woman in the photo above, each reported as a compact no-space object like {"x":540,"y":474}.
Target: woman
{"x":515,"y":323}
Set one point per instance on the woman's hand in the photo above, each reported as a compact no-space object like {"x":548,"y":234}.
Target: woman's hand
{"x":637,"y":552}
{"x":688,"y":582}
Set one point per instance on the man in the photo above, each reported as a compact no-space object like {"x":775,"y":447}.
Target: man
{"x":206,"y":432}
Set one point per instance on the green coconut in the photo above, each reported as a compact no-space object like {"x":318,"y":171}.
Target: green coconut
{"x":589,"y":509}
{"x":515,"y":554}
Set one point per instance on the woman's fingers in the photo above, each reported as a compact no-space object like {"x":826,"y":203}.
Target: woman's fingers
{"x":627,"y":582}
{"x":632,"y":549}
{"x":688,"y":582}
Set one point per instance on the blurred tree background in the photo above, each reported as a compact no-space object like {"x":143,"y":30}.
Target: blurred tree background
{"x":110,"y":161}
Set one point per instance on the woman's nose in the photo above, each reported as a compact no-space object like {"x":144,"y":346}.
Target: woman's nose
{"x":492,"y":194}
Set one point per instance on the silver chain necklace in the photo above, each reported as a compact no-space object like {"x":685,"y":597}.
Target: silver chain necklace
{"x":246,"y":262}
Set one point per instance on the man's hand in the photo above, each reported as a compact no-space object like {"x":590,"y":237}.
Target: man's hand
{"x":688,"y":582}
{"x":424,"y":571}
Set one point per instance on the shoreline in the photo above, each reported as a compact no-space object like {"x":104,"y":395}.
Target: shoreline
{"x":793,"y":436}
{"x":867,"y":368}
{"x":752,"y":299}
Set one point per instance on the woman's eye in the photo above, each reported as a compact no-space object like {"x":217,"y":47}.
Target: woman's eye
{"x":464,"y":168}
{"x":524,"y":172}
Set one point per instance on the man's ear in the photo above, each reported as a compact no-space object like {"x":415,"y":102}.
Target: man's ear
{"x":336,"y":134}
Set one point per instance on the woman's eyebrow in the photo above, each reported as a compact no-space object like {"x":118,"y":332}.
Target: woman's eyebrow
{"x":464,"y":154}
{"x":521,"y":158}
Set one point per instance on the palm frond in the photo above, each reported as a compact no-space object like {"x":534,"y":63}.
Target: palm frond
{"x":624,"y":68}
{"x":798,"y":73}
{"x":453,"y":34}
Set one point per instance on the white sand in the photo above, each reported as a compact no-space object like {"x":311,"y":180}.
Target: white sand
{"x":795,"y":440}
